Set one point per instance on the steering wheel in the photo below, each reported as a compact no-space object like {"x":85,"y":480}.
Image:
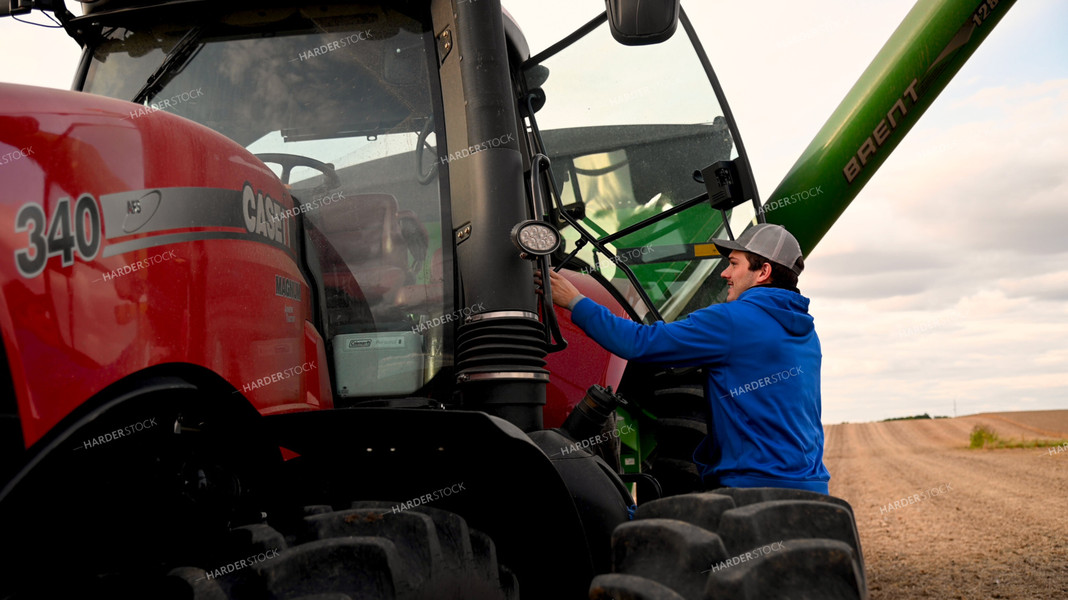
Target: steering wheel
{"x":421,"y":145}
{"x":330,"y":179}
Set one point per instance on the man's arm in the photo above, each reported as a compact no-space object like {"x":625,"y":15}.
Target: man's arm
{"x":701,"y":338}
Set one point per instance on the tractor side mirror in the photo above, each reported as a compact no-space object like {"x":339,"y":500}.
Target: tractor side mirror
{"x":641,"y":22}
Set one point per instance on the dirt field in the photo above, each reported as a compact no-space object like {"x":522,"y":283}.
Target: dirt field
{"x":982,"y":523}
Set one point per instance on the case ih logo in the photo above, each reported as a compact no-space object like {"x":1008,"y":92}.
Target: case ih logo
{"x":260,"y":211}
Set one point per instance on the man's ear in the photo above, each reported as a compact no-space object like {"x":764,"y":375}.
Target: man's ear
{"x":765,"y":273}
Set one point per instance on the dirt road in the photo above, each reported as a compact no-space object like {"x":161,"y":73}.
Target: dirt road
{"x":980,"y":524}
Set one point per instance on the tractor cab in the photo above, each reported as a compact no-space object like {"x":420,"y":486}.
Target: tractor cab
{"x":349,"y":105}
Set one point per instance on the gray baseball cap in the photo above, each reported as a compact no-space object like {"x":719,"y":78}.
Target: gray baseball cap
{"x":772,"y":242}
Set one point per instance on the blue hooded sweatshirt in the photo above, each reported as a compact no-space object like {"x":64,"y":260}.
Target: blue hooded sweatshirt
{"x":763,"y":360}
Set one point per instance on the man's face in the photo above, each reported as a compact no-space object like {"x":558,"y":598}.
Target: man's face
{"x":740,"y":278}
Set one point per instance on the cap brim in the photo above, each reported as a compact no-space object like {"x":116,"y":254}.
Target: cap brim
{"x":726,"y":246}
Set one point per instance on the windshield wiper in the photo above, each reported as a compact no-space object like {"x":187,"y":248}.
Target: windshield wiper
{"x":172,"y":65}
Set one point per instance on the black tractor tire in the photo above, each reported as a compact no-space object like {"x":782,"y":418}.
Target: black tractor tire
{"x":737,"y":544}
{"x":369,"y":551}
{"x":680,"y":426}
{"x":675,"y":475}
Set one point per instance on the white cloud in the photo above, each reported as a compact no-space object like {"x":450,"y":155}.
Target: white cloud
{"x":952,"y":265}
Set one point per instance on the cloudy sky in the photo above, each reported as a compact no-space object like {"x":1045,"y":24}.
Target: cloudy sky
{"x":947,"y":278}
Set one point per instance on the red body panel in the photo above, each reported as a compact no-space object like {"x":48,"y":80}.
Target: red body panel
{"x":584,"y":363}
{"x":189,"y":267}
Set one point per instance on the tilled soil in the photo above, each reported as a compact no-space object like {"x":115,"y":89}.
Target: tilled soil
{"x":981,"y":523}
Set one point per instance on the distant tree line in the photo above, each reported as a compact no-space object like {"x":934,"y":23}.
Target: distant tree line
{"x":923,"y":416}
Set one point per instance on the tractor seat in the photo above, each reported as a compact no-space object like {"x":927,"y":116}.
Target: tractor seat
{"x":366,"y":233}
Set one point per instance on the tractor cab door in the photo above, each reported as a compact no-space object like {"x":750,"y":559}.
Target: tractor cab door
{"x":627,"y":128}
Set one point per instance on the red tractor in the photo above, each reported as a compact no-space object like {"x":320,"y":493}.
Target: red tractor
{"x":270,"y":328}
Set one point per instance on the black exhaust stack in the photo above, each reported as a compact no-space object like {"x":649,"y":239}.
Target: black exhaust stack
{"x":500,"y":352}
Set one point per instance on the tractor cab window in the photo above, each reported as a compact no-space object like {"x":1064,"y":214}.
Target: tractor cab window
{"x":625,"y":128}
{"x":333,"y":99}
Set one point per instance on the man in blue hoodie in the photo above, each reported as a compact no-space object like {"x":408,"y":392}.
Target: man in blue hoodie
{"x":763,"y":359}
